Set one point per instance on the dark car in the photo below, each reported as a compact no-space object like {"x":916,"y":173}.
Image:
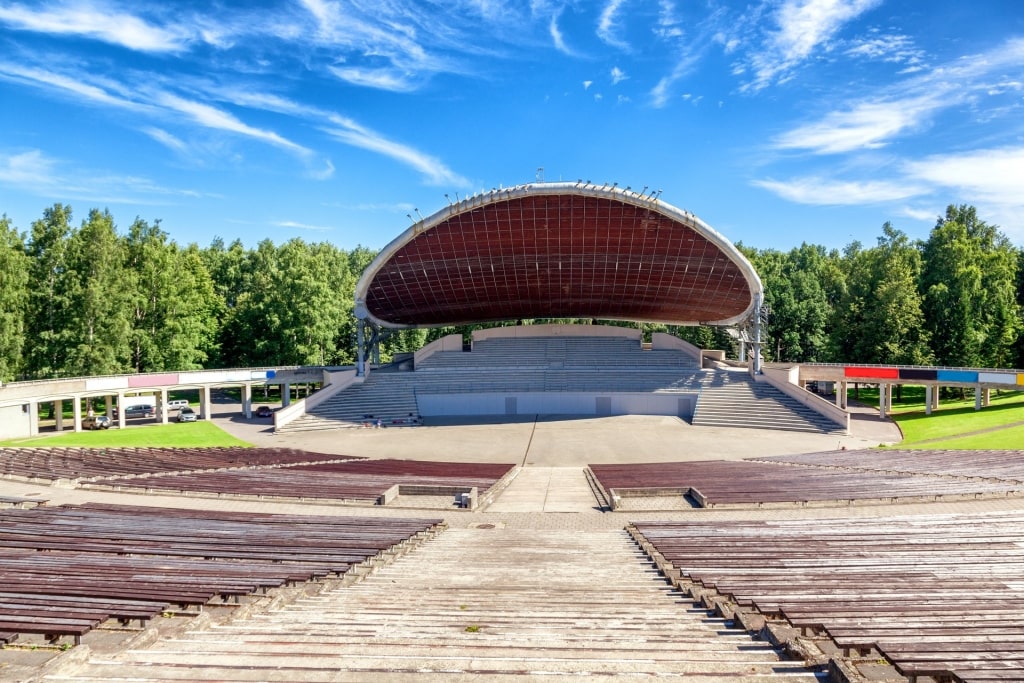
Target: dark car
{"x":264,"y":411}
{"x":96,"y":422}
{"x":139,"y":411}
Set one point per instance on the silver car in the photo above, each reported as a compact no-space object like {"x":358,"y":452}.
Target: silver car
{"x":187,"y":415}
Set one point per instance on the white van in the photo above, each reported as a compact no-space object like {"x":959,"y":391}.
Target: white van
{"x":177,"y":404}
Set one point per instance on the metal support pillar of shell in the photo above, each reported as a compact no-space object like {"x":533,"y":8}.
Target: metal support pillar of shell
{"x":360,"y":359}
{"x":758,"y":300}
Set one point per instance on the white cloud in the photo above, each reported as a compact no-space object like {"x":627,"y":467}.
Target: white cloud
{"x":608,"y":27}
{"x":556,"y":36}
{"x":301,"y":226}
{"x":803,"y":26}
{"x":352,"y":133}
{"x":868,"y":125}
{"x":820,"y":191}
{"x":73,"y":84}
{"x":587,"y":84}
{"x":96,"y":21}
{"x":165,"y":138}
{"x":36,"y":173}
{"x":908,"y":106}
{"x":987,"y":178}
{"x":211,"y":117}
{"x":618,"y":75}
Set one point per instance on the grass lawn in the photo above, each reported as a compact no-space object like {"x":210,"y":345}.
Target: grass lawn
{"x":956,"y":424}
{"x":189,"y":435}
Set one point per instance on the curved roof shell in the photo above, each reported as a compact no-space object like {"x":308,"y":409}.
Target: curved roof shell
{"x":558,"y":250}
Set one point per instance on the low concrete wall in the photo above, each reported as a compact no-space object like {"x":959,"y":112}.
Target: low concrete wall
{"x":553,"y":330}
{"x":663,"y":340}
{"x":616,"y":495}
{"x":785,"y":381}
{"x":455,"y":492}
{"x":334,"y":382}
{"x":557,"y":403}
{"x":451,"y":342}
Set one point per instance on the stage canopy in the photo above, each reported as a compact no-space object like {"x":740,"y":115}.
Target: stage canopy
{"x":558,"y":250}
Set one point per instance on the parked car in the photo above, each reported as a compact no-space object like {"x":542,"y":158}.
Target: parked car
{"x":264,"y":411}
{"x":96,"y":422}
{"x":177,"y":404}
{"x":187,"y":415}
{"x":139,"y":411}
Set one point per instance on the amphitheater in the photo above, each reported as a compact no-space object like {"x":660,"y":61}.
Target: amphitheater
{"x":649,"y":534}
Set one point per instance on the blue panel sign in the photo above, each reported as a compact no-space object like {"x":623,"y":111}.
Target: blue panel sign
{"x":965,"y":376}
{"x":271,"y":373}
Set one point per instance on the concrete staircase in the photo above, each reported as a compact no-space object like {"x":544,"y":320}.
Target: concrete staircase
{"x":384,"y":395}
{"x":483,"y":604}
{"x":733,"y":399}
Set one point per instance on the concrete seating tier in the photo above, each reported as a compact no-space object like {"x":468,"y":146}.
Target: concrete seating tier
{"x":733,"y":399}
{"x":67,"y":570}
{"x":554,"y":352}
{"x":744,"y":484}
{"x":49,"y":464}
{"x":354,"y":481}
{"x":938,"y":596}
{"x":985,"y":464}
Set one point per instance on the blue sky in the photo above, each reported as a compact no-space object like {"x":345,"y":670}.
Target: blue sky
{"x":776,"y":121}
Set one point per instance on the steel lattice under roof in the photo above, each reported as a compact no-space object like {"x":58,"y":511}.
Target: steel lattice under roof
{"x":558,"y":250}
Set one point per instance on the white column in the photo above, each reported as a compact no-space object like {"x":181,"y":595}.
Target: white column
{"x":883,"y":409}
{"x":977,"y":397}
{"x":58,"y":414}
{"x":33,"y":418}
{"x":247,"y":399}
{"x":205,"y":402}
{"x":286,"y":395}
{"x":109,"y":403}
{"x":162,"y":413}
{"x":928,"y":391}
{"x":76,"y":413}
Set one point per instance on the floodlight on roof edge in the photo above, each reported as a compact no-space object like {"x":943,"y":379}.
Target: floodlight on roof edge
{"x":520,"y":193}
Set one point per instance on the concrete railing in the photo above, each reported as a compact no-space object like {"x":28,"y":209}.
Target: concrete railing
{"x":786,"y":382}
{"x":334,"y":382}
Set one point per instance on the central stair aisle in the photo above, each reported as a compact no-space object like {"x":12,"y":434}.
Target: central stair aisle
{"x":487,"y":604}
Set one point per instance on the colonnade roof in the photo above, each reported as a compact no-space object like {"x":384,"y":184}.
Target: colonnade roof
{"x":558,"y":250}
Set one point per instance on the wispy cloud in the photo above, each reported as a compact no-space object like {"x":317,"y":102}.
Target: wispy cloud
{"x":822,"y":191}
{"x":867,"y":125}
{"x":98,"y":21}
{"x":909,"y":105}
{"x":301,"y":226}
{"x":801,"y":28}
{"x":608,"y":25}
{"x":618,"y":75}
{"x":352,"y":133}
{"x":36,"y":173}
{"x":212,"y":117}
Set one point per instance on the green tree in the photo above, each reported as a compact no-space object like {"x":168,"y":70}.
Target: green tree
{"x":879,"y":319}
{"x":49,"y":302}
{"x":99,"y":316}
{"x":969,"y":282}
{"x":14,"y":276}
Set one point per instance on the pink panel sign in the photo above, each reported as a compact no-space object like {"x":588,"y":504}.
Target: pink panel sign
{"x":153,"y":380}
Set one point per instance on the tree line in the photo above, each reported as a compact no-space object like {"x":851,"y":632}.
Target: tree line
{"x":85,"y":300}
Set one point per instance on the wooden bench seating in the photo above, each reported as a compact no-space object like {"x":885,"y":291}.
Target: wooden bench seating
{"x":65,"y":570}
{"x":354,"y":480}
{"x":836,"y":478}
{"x":50,"y":464}
{"x":907,"y":588}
